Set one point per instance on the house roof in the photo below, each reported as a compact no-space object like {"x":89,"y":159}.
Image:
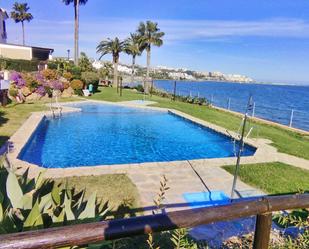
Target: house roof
{"x":6,"y":16}
{"x":39,"y":48}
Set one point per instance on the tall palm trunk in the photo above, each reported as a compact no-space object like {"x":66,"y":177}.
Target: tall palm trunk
{"x":76,"y":31}
{"x":148,"y":69}
{"x":115,"y":80}
{"x":23,"y":28}
{"x":133,"y":69}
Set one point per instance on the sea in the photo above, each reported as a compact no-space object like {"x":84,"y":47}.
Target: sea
{"x":284,"y":104}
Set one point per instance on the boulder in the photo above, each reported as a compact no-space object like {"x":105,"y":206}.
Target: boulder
{"x":67,"y":92}
{"x":25,"y":91}
{"x":33,"y":96}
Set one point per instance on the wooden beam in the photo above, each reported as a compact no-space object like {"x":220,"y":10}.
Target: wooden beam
{"x":115,"y":229}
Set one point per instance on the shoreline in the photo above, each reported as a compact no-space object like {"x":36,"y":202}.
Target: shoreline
{"x":233,"y":82}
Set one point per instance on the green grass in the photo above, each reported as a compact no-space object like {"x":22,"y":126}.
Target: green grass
{"x":284,"y":140}
{"x":273,"y":178}
{"x":117,"y":189}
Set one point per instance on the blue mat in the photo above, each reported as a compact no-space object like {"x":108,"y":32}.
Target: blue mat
{"x":206,"y":199}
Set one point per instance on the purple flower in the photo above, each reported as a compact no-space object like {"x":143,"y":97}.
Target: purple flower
{"x":20,"y":83}
{"x":41,"y":90}
{"x":15,"y":76}
{"x":56,"y":85}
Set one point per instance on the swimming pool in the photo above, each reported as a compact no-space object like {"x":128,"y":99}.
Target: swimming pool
{"x":104,"y":134}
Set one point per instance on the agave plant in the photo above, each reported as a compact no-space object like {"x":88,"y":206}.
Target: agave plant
{"x":27,"y":204}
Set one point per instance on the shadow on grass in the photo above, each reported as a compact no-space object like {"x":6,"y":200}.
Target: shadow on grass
{"x":3,"y":120}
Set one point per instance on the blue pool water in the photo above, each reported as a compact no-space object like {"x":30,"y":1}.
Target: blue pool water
{"x":109,"y":134}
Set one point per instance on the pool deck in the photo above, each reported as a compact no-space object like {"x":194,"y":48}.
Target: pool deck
{"x":183,"y":176}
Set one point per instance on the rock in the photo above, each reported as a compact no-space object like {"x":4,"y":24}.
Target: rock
{"x":25,"y":91}
{"x":67,"y":92}
{"x":33,"y":96}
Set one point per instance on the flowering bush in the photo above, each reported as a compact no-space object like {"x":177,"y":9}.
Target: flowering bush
{"x":41,"y":91}
{"x":56,"y":85}
{"x":77,"y":86}
{"x":42,"y":83}
{"x":17,"y":79}
{"x":67,"y":75}
{"x":50,"y":74}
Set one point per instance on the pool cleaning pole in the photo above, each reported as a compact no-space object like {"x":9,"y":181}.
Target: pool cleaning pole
{"x":241,"y":147}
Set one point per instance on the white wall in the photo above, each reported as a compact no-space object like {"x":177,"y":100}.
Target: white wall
{"x":15,"y":52}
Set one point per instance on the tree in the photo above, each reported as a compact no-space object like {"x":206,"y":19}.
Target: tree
{"x":150,"y":36}
{"x":113,"y":47}
{"x":20,"y":14}
{"x":133,"y":46}
{"x":76,"y":25}
{"x":85,"y":63}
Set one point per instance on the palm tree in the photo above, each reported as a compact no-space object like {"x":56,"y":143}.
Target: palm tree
{"x":133,"y":46}
{"x":20,"y":14}
{"x":150,"y":35}
{"x":76,"y":25}
{"x":113,"y":47}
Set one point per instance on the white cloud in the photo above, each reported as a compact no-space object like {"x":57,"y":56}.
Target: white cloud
{"x":45,"y":32}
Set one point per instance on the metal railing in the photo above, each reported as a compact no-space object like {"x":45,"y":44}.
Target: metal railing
{"x":284,"y":116}
{"x":84,"y":234}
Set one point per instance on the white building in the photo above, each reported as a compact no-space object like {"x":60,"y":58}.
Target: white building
{"x":3,"y":17}
{"x":14,"y":51}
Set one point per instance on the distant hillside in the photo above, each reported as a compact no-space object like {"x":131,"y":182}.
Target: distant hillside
{"x":162,"y":72}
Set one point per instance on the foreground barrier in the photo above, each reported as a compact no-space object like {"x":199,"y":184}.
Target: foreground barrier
{"x":115,"y":229}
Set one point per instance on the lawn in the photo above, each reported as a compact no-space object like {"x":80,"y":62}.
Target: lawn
{"x":273,"y":178}
{"x":117,"y":189}
{"x":284,"y":140}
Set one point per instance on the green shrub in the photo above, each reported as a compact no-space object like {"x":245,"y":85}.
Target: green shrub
{"x":31,"y":82}
{"x":19,"y":65}
{"x":76,"y":72}
{"x":13,"y":91}
{"x":27,"y":204}
{"x":91,"y":78}
{"x":139,"y":88}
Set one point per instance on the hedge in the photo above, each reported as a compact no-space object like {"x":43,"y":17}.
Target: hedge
{"x":19,"y":65}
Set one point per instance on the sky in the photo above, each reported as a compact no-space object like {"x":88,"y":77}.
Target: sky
{"x":267,"y":40}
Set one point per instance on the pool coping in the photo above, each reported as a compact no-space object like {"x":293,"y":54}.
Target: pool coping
{"x":264,"y":151}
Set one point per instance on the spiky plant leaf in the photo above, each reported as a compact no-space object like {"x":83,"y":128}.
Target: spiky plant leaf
{"x":56,"y":195}
{"x":1,"y":197}
{"x":14,"y":191}
{"x":89,"y":211}
{"x":35,"y":217}
{"x":58,"y":219}
{"x":1,"y":212}
{"x":67,"y":208}
{"x":39,"y":180}
{"x":27,"y":200}
{"x":46,"y":202}
{"x":7,"y":225}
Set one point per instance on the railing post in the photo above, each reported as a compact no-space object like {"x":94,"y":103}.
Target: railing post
{"x":253,"y":109}
{"x":174,"y":97}
{"x":228,"y":103}
{"x":291,"y":118}
{"x":262,"y":231}
{"x":212,"y":99}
